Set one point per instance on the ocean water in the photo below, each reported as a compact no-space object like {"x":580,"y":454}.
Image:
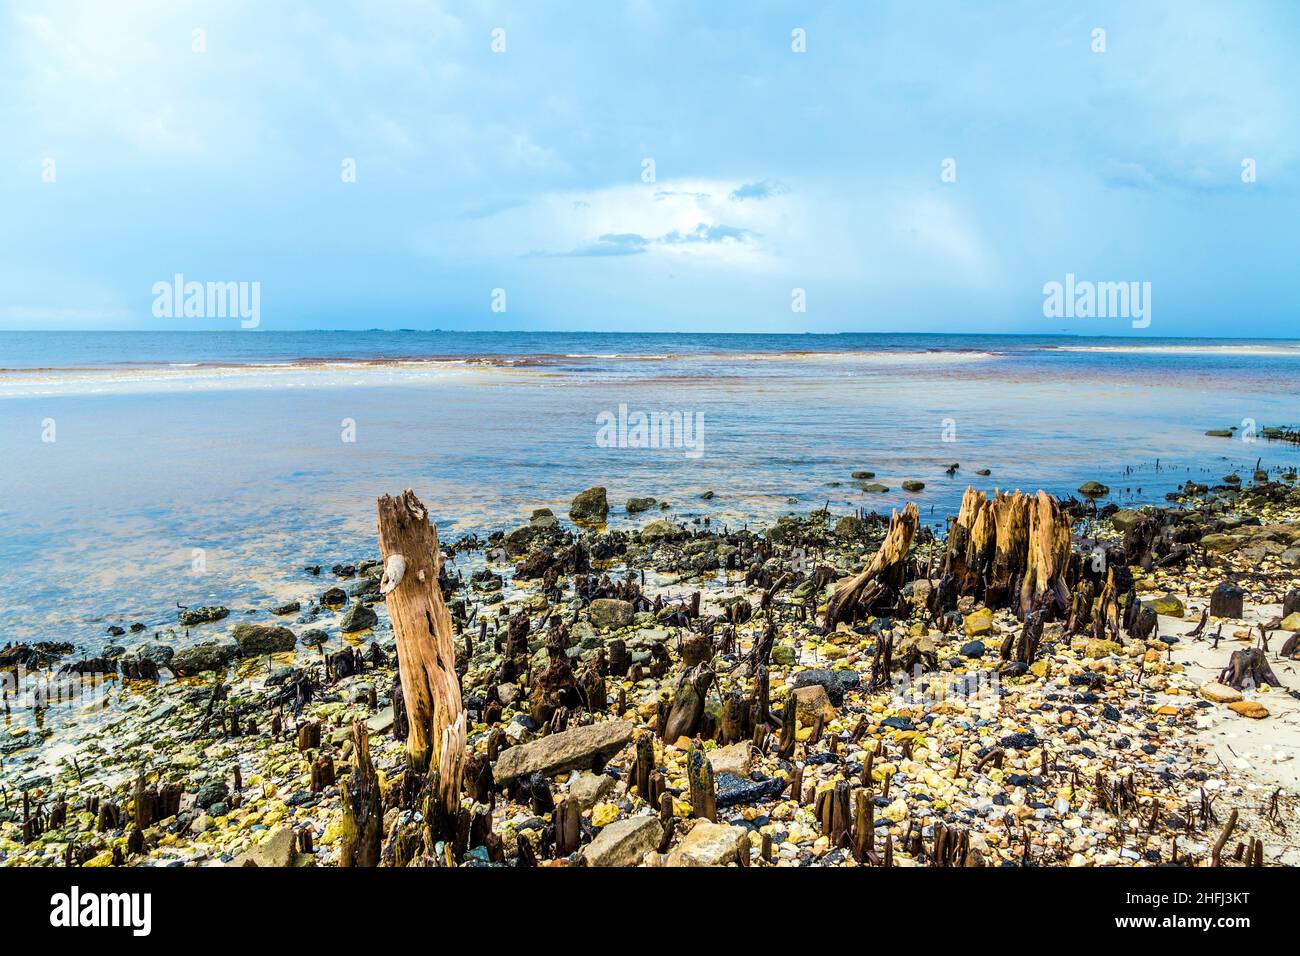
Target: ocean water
{"x":143,"y":470}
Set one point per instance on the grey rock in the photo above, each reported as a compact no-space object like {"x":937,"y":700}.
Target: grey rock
{"x":208,"y":656}
{"x":580,"y":747}
{"x":359,"y":617}
{"x":257,"y":639}
{"x":624,"y":842}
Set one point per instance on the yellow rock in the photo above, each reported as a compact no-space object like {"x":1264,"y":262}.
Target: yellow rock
{"x":1096,"y":648}
{"x":104,"y":859}
{"x":1249,"y":708}
{"x":604,"y":814}
{"x":896,"y":812}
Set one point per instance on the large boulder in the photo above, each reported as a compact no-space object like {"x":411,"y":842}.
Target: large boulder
{"x":208,"y":656}
{"x":590,"y":506}
{"x":624,"y":842}
{"x":575,"y":749}
{"x":662,"y":530}
{"x":257,"y":639}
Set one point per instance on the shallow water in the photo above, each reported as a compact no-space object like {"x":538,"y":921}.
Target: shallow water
{"x":212,"y":467}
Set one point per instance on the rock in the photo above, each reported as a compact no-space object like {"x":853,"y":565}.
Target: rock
{"x":211,"y":794}
{"x":587,"y":788}
{"x":208,"y":656}
{"x":381,"y":722}
{"x":707,"y":496}
{"x":874,"y":488}
{"x":1220,"y":693}
{"x":201,"y":615}
{"x":850,"y":526}
{"x":661,"y":530}
{"x":1219,"y":433}
{"x":258,"y":639}
{"x":154,"y":651}
{"x":276,"y":850}
{"x":1125,"y":518}
{"x":1290,"y":557}
{"x":1220,"y":543}
{"x":837,"y":683}
{"x":1291,"y":622}
{"x":914,"y":485}
{"x":734,"y":790}
{"x":708,"y":844}
{"x":979,"y":622}
{"x":736,"y":759}
{"x":568,"y":750}
{"x":784,"y":654}
{"x":359,"y":617}
{"x":863,"y":475}
{"x":811,"y":701}
{"x":1093,"y":489}
{"x":1227,"y":601}
{"x":1249,"y":708}
{"x":623,"y":842}
{"x":1098,"y":648}
{"x":292,"y":607}
{"x":637,"y":505}
{"x":973,"y":649}
{"x":590,"y":506}
{"x":610,"y":613}
{"x":1169,"y":605}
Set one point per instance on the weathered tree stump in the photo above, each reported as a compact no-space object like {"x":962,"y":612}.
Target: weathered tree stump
{"x":425,"y":642}
{"x":883,"y":575}
{"x":363,"y":813}
{"x":1227,"y":600}
{"x":704,"y":795}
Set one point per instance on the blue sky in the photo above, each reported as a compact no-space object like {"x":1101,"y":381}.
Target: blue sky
{"x":525,"y":170}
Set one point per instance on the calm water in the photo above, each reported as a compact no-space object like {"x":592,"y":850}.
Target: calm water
{"x":232,"y":445}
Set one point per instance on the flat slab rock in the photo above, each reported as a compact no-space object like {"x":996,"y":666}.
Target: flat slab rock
{"x":573,"y":749}
{"x":708,"y":844}
{"x":624,"y":842}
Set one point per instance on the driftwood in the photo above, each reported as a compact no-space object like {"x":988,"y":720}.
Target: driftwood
{"x":1248,"y":667}
{"x":425,"y":644}
{"x":883,"y":575}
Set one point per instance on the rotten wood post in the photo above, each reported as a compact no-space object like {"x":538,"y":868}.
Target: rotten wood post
{"x":425,"y":643}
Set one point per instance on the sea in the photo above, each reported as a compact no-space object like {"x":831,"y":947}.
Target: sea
{"x":142,"y":471}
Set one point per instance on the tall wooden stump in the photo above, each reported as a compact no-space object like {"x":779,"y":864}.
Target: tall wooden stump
{"x":425,"y":648}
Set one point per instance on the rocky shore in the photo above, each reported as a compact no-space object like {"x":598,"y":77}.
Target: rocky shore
{"x":684,"y":695}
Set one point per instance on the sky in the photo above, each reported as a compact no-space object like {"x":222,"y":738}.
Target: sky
{"x":912,"y":166}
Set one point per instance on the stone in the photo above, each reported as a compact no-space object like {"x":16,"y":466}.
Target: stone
{"x":359,"y":617}
{"x":708,"y":844}
{"x":154,"y":651}
{"x":588,"y":788}
{"x":1291,"y":622}
{"x":1099,"y":648}
{"x":1125,"y":518}
{"x":737,"y":759}
{"x":733,"y":790}
{"x":1220,"y":693}
{"x":208,"y":656}
{"x":590,"y":506}
{"x":661,"y":529}
{"x":201,"y":615}
{"x":875,"y":488}
{"x":623,"y":842}
{"x":911,"y":485}
{"x":637,"y":505}
{"x":979,"y":622}
{"x":1220,"y":543}
{"x":610,"y":613}
{"x":1169,"y":605}
{"x":811,"y":701}
{"x":973,"y":649}
{"x":276,"y":850}
{"x":837,"y":683}
{"x":573,"y":749}
{"x":380,"y":722}
{"x":1093,"y":489}
{"x":257,"y":639}
{"x":1290,"y":557}
{"x":1249,"y":708}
